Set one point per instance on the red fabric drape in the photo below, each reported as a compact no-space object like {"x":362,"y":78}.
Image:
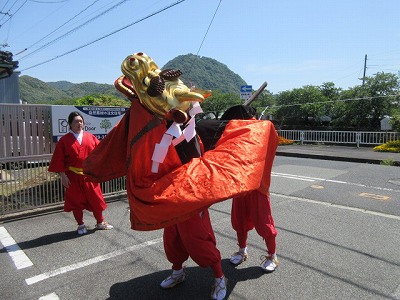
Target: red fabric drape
{"x":241,"y":162}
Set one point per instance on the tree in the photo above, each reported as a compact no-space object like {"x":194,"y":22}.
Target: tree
{"x":396,"y":122}
{"x":265,"y":101}
{"x":303,"y":106}
{"x":333,"y":108}
{"x":367,"y":104}
{"x":101,"y":100}
{"x":218,"y":102}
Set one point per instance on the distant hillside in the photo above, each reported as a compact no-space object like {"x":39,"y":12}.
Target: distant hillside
{"x":203,"y":72}
{"x":33,"y":90}
{"x":206,"y":73}
{"x":86,"y":88}
{"x":61,"y":85}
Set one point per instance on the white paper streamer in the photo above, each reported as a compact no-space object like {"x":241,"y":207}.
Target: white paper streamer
{"x":161,"y":149}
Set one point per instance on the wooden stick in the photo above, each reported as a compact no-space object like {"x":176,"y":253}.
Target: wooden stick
{"x":256,"y":93}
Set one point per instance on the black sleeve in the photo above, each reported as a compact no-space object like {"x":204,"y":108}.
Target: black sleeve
{"x":210,"y":131}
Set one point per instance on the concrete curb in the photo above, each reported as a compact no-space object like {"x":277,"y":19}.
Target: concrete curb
{"x":335,"y":158}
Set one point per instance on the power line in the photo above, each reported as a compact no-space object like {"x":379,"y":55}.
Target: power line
{"x":8,"y":12}
{"x":90,"y":5}
{"x":60,"y":1}
{"x":105,"y":36}
{"x":11,"y":15}
{"x":333,"y":101}
{"x":73,"y":30}
{"x":4,"y":6}
{"x":212,"y":19}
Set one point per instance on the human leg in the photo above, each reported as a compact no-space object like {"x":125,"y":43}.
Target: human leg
{"x":100,"y":223}
{"x":78,"y":215}
{"x":242,"y":224}
{"x":265,"y":226}
{"x":176,"y":254}
{"x":269,"y":263}
{"x":95,"y":202}
{"x":199,"y":239}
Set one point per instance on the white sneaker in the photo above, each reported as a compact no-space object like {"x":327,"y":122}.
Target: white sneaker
{"x":82,"y":229}
{"x":173,"y":280}
{"x":238,"y":257}
{"x":104,"y":226}
{"x":269,"y":263}
{"x":218,"y":290}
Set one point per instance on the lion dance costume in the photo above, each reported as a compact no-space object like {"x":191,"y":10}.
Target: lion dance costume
{"x":170,"y":179}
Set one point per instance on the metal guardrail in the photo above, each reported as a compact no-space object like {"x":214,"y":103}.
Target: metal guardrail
{"x":26,"y":184}
{"x":339,"y":137}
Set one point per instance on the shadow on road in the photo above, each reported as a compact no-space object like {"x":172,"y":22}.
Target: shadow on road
{"x":49,"y":239}
{"x":197,"y":285}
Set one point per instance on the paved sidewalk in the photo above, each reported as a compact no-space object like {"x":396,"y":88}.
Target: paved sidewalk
{"x":340,"y":153}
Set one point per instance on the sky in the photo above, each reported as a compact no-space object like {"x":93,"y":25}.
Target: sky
{"x":287,"y":43}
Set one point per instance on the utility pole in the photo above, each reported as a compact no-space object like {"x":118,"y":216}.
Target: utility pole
{"x":365,"y":68}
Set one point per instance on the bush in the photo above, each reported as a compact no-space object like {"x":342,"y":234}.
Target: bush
{"x":392,"y":146}
{"x":283,"y":141}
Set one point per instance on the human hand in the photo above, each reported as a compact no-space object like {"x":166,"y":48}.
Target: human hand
{"x":65,"y":180}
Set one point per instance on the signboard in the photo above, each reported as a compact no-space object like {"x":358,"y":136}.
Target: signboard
{"x":99,"y":120}
{"x":245,"y":92}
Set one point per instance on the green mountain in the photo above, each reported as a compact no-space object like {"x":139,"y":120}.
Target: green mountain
{"x":35,"y":91}
{"x":61,"y":85}
{"x":203,"y":72}
{"x":86,"y":88}
{"x":206,"y":73}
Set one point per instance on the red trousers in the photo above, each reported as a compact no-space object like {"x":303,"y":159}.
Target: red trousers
{"x":253,"y":210}
{"x":193,"y":238}
{"x":83,"y":194}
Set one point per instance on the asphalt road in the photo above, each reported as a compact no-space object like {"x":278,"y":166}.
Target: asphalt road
{"x":338,"y":238}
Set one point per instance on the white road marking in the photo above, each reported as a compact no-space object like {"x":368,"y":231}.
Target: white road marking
{"x":297,"y":176}
{"x":52,"y":296}
{"x":306,"y":178}
{"x":94,"y":260}
{"x":20,"y":259}
{"x":293,"y":177}
{"x":365,"y":211}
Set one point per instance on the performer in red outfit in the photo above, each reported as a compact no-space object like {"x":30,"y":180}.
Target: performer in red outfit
{"x":253,"y":209}
{"x":69,"y":154}
{"x":250,"y":211}
{"x":169,"y":185}
{"x":193,"y":237}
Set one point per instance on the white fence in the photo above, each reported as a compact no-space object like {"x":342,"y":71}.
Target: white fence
{"x":339,"y":137}
{"x":27,"y":145}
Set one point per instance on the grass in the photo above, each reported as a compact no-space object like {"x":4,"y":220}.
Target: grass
{"x":387,"y":162}
{"x":35,"y":177}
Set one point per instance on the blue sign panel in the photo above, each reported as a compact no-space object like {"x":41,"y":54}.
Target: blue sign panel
{"x":246,"y":88}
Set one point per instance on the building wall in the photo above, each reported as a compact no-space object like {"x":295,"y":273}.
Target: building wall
{"x":9,"y":89}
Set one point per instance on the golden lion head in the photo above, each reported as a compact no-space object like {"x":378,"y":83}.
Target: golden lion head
{"x":160,"y":91}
